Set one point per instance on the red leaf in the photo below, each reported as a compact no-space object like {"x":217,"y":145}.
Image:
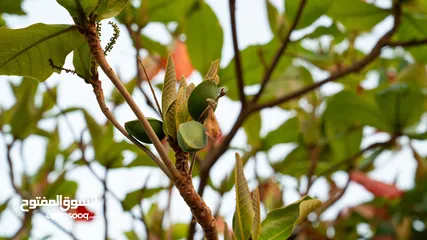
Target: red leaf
{"x":379,"y":189}
{"x":183,"y":66}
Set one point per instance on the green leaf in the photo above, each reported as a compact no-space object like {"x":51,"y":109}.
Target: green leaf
{"x":136,"y":130}
{"x":169,"y":125}
{"x":309,"y":126}
{"x":82,"y":59}
{"x":131,"y":235}
{"x":356,"y":16}
{"x":110,"y":8}
{"x":344,"y":138}
{"x":23,"y":116}
{"x":332,"y":30}
{"x":252,"y":127}
{"x":397,"y":105}
{"x":204,"y":37}
{"x":49,"y":99}
{"x":244,"y":214}
{"x":274,"y":16}
{"x":96,"y":132}
{"x":415,"y":73}
{"x":3,"y":206}
{"x":412,"y":28}
{"x":294,"y":164}
{"x":11,"y":7}
{"x":346,"y":107}
{"x":61,"y":186}
{"x":86,"y":5}
{"x":286,"y":133}
{"x":142,"y":161}
{"x":291,"y":79}
{"x":345,"y":116}
{"x":2,"y":21}
{"x":134,"y":198}
{"x":153,"y":47}
{"x":256,"y":224}
{"x":166,"y":10}
{"x":181,"y":111}
{"x":154,"y":221}
{"x":192,"y":136}
{"x":169,"y":87}
{"x":311,"y":12}
{"x":213,"y":72}
{"x":26,"y":51}
{"x":254,"y":59}
{"x":179,"y":230}
{"x":280,"y":223}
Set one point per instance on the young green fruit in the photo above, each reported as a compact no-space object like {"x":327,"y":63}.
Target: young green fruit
{"x":135,"y":129}
{"x":197,"y":101}
{"x":192,"y":136}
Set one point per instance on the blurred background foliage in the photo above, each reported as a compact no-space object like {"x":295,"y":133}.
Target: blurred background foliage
{"x":388,"y":97}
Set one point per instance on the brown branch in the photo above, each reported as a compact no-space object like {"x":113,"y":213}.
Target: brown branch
{"x":25,"y":229}
{"x":333,"y":200}
{"x":10,"y":164}
{"x":314,"y":153}
{"x":95,"y":45}
{"x":198,"y":207}
{"x":375,"y":52}
{"x":279,"y":53}
{"x":97,"y":52}
{"x":350,"y":160}
{"x":237,"y":60}
{"x":410,"y":43}
{"x":97,"y":89}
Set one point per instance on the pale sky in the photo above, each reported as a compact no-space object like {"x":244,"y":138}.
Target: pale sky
{"x":252,"y":29}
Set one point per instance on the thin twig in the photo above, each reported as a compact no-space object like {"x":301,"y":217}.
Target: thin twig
{"x":87,"y":163}
{"x":151,"y":86}
{"x":333,"y":200}
{"x":314,"y":157}
{"x":348,"y":161}
{"x":375,"y":52}
{"x":279,"y":53}
{"x":10,"y":163}
{"x":104,"y":203}
{"x":135,"y":35}
{"x":237,"y":60}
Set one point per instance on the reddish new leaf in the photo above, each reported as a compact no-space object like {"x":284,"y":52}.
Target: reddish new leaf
{"x":183,"y":66}
{"x":379,"y":189}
